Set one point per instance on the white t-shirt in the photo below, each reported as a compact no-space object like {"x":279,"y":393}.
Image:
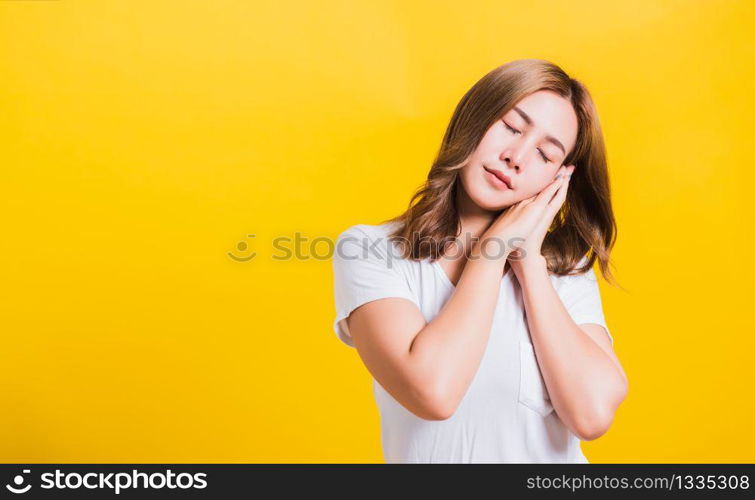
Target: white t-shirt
{"x":506,"y":415}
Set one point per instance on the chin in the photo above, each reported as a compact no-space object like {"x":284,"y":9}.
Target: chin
{"x":493,"y":201}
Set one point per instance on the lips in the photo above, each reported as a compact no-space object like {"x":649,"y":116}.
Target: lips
{"x":500,"y":176}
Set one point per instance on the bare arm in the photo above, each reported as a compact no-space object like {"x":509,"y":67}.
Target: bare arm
{"x":584,"y":377}
{"x":428,"y":367}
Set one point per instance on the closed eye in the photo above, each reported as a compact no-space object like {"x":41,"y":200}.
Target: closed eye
{"x":515,"y":131}
{"x":511,"y":128}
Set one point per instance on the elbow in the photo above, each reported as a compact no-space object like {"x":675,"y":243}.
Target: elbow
{"x":590,"y":427}
{"x":442,"y":412}
{"x":594,"y":424}
{"x":590,"y":431}
{"x":435,"y":414}
{"x":430,"y":397}
{"x":438,"y":408}
{"x":437,"y":405}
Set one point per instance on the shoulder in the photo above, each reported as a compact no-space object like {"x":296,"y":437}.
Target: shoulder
{"x":374,"y":237}
{"x":364,"y":253}
{"x":370,"y":231}
{"x":584,"y":277}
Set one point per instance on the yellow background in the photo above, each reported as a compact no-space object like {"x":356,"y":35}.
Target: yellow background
{"x":141,"y":141}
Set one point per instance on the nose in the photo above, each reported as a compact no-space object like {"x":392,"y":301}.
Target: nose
{"x":512,"y":158}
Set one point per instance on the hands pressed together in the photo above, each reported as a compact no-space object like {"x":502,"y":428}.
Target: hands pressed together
{"x":524,"y":225}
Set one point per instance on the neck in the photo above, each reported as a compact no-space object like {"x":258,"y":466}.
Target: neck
{"x":473,"y":220}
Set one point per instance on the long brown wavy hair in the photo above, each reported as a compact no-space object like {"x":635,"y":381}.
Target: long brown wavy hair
{"x":585,"y":225}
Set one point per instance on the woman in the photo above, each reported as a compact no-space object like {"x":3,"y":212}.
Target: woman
{"x":477,"y":311}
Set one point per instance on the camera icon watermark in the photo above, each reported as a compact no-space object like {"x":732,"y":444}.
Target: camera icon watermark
{"x":18,"y":481}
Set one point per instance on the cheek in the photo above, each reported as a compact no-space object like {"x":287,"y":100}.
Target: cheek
{"x":537,"y":183}
{"x":545,"y":178}
{"x":467,"y":180}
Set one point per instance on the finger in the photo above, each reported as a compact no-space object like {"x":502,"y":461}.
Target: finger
{"x":558,"y":199}
{"x":564,"y":173}
{"x":562,"y":187}
{"x":546,"y":194}
{"x":561,"y":170}
{"x":523,"y":203}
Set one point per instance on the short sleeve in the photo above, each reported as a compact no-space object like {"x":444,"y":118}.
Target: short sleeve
{"x":580,"y":295}
{"x":365,"y":268}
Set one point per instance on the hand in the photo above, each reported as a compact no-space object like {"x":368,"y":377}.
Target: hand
{"x":530,"y":251}
{"x":514,"y":227}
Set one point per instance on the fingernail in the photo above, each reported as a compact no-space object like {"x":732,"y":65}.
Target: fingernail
{"x":558,"y":176}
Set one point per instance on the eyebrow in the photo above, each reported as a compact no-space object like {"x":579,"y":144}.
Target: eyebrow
{"x":548,"y":138}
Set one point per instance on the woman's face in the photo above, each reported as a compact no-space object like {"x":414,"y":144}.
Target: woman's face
{"x":527,"y":146}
